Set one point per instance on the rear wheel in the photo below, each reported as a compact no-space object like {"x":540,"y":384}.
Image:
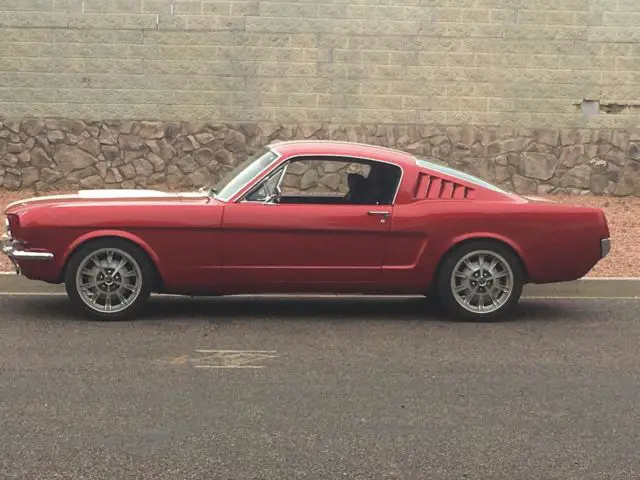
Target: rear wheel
{"x":109,"y":279}
{"x":480,"y":280}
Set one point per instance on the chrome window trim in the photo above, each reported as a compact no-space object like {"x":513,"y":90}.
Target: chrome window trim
{"x":367,"y":159}
{"x":240,"y":192}
{"x":243,"y":197}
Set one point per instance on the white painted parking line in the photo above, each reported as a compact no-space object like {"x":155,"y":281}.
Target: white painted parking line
{"x":32,"y":294}
{"x":237,"y":351}
{"x":222,"y":359}
{"x":617,"y":279}
{"x":576,"y":297}
{"x":231,"y":358}
{"x":229,"y":366}
{"x":336,"y":297}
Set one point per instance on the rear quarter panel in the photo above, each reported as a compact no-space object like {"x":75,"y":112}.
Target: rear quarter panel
{"x":555,"y":242}
{"x":181,"y":237}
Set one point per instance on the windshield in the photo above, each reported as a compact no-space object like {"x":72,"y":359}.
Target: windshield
{"x":237,"y":178}
{"x":458,"y":174}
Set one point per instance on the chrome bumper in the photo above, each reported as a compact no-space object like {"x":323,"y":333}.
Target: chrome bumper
{"x":605,"y":247}
{"x":14,"y":253}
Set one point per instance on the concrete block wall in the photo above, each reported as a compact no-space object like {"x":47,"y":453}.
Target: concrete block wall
{"x":505,"y":64}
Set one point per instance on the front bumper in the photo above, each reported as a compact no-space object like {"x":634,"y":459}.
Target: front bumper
{"x":15,"y":253}
{"x":605,"y":247}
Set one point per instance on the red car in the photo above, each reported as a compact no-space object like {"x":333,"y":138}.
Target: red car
{"x":307,"y":217}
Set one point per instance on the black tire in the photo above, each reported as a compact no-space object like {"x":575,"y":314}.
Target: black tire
{"x":445,"y":291}
{"x":136,"y":253}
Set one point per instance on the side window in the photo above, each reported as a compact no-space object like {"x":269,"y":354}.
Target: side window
{"x":307,"y":177}
{"x":345,"y":181}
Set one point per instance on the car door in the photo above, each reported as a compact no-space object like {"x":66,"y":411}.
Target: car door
{"x":305,"y":246}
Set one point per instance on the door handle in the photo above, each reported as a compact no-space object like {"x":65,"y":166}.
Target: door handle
{"x":378,"y":212}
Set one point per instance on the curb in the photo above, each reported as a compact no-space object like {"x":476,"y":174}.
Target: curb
{"x":591,"y":287}
{"x":587,"y":288}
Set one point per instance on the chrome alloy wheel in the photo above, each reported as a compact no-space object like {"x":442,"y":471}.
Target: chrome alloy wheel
{"x":482,"y":281}
{"x":109,"y":280}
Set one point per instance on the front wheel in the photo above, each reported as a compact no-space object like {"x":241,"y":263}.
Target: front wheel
{"x":480,"y":280}
{"x":109,"y":279}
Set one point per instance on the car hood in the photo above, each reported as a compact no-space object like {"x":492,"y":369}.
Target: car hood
{"x":104,"y":195}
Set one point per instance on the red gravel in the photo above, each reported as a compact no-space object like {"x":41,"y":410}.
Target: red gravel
{"x":623,"y":215}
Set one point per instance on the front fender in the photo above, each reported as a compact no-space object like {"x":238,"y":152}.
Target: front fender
{"x":98,"y":234}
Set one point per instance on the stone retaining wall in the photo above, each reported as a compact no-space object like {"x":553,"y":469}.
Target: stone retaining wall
{"x":46,"y":155}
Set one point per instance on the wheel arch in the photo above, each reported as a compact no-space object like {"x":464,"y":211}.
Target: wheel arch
{"x":461,"y":241}
{"x":82,"y":241}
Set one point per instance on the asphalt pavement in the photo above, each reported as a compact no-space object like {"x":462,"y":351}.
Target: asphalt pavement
{"x":319,"y":388}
